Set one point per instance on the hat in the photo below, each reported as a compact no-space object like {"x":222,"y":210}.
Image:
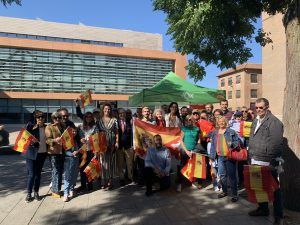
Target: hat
{"x":195,"y":111}
{"x":96,"y":110}
{"x":238,"y":114}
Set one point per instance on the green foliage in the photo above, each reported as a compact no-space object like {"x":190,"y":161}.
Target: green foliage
{"x":9,"y":2}
{"x":216,"y":31}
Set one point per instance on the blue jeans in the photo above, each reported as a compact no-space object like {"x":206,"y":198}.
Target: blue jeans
{"x":71,"y":172}
{"x":34,"y":169}
{"x":228,"y":168}
{"x":57,"y":162}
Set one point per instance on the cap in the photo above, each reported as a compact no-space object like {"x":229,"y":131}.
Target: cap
{"x":96,"y":110}
{"x":195,"y":111}
{"x":238,"y":114}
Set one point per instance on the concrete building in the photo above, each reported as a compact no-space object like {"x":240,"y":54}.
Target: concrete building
{"x":243,"y":85}
{"x":46,"y":65}
{"x":274,"y":63}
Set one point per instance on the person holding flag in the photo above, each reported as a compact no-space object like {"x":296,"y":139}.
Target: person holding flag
{"x":53,"y":133}
{"x":35,"y":155}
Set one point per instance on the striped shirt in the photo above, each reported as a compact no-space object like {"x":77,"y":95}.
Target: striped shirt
{"x":222,"y":148}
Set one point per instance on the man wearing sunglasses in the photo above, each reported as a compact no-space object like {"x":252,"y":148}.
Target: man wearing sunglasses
{"x":265,"y":145}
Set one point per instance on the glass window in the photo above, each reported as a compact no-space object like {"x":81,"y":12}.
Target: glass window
{"x":253,"y":77}
{"x":222,"y":82}
{"x":14,"y":102}
{"x":229,"y":94}
{"x":230,"y":81}
{"x":237,"y":93}
{"x":238,"y":79}
{"x":253,"y":93}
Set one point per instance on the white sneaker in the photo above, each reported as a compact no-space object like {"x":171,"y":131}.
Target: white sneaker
{"x":178,"y":188}
{"x":50,"y":185}
{"x":71,"y":194}
{"x":65,"y":199}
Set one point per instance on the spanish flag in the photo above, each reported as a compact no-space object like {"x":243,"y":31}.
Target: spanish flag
{"x":195,"y":167}
{"x":67,"y":138}
{"x":205,"y":128}
{"x":98,"y":142}
{"x":23,"y":141}
{"x":245,"y":128}
{"x":143,"y":134}
{"x":86,"y":98}
{"x":93,"y":169}
{"x":259,"y":183}
{"x":82,"y":151}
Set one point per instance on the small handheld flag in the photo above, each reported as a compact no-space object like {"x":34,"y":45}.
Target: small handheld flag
{"x":93,"y":169}
{"x":67,"y":138}
{"x":23,"y":141}
{"x":86,"y":98}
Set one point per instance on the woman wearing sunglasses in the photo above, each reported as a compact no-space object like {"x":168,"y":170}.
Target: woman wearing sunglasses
{"x":35,"y":155}
{"x":53,"y":139}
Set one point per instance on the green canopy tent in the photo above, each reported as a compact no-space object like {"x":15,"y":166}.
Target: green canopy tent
{"x":173,"y":88}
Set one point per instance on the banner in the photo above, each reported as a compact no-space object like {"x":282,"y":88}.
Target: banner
{"x":67,"y":138}
{"x":143,"y":134}
{"x":259,"y":183}
{"x":23,"y":141}
{"x":195,"y":167}
{"x":98,"y":142}
{"x":86,"y":98}
{"x":245,"y":128}
{"x":93,"y":169}
{"x":82,"y":151}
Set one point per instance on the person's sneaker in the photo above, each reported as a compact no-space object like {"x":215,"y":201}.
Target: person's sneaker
{"x":28,"y":198}
{"x":178,"y":188}
{"x":71,"y":194}
{"x":65,"y":199}
{"x":37,"y":196}
{"x":234,"y":199}
{"x":259,"y":212}
{"x":222,"y":195}
{"x":55,"y":195}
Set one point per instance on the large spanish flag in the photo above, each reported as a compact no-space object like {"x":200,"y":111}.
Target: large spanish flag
{"x":67,"y":139}
{"x":195,"y":167}
{"x":23,"y":140}
{"x":144,"y":132}
{"x":82,"y":151}
{"x":98,"y":142}
{"x":86,"y":98}
{"x":259,"y":183}
{"x":245,"y":128}
{"x":93,"y":169}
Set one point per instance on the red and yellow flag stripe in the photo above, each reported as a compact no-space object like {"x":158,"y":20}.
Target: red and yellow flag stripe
{"x":92,"y":170}
{"x":86,"y":98}
{"x":67,"y":139}
{"x":195,"y":167}
{"x":245,"y":128}
{"x":23,"y":141}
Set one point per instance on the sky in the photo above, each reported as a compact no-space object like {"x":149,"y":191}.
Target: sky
{"x":136,"y":15}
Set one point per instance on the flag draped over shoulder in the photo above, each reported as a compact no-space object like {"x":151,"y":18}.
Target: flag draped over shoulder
{"x":83,"y":150}
{"x":98,"y":142}
{"x":259,"y":183}
{"x":86,"y":98}
{"x":93,"y":169}
{"x":144,"y":132}
{"x":245,"y":128}
{"x":67,"y":139}
{"x":195,"y":167}
{"x":23,"y":141}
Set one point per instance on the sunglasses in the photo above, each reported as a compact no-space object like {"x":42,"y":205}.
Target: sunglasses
{"x":243,"y":111}
{"x":195,"y":113}
{"x":260,"y":107}
{"x":59,"y":117}
{"x":65,"y":116}
{"x":40,"y":117}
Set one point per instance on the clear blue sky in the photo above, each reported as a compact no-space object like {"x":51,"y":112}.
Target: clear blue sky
{"x":137,"y":15}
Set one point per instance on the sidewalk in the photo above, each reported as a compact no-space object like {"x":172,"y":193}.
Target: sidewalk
{"x":127,"y":205}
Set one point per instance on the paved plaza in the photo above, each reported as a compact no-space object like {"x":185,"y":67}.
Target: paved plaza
{"x":127,"y":205}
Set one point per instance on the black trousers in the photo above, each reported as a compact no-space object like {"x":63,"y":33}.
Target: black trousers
{"x":150,"y":176}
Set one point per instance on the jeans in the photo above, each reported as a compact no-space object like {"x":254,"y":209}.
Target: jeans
{"x":57,"y":162}
{"x":71,"y":172}
{"x":277,"y":204}
{"x":34,"y":169}
{"x":165,"y":182}
{"x":228,"y":168}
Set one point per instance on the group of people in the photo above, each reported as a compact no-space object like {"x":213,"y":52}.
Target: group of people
{"x":264,"y":146}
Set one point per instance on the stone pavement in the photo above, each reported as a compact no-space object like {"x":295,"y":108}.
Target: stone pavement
{"x":127,"y":205}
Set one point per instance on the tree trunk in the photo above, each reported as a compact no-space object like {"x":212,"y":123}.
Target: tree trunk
{"x":290,"y":179}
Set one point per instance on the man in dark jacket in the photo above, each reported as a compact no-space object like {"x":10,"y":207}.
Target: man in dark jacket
{"x":265,"y":146}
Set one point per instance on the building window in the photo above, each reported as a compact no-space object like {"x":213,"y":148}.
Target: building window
{"x":238,"y":79}
{"x":229,"y":81}
{"x":238,"y":93}
{"x":253,"y":77}
{"x":222,"y":83}
{"x":253,"y":93}
{"x":229,"y":94}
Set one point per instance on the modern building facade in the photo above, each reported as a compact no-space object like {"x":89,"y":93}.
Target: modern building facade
{"x":243,"y":85}
{"x":274,"y":63}
{"x":46,"y":65}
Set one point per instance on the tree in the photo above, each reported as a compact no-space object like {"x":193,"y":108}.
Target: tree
{"x":217,"y":31}
{"x":9,"y":2}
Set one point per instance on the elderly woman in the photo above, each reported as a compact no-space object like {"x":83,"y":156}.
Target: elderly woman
{"x":53,"y":134}
{"x":159,"y":117}
{"x":222,"y":139}
{"x":35,"y":155}
{"x":109,"y":125}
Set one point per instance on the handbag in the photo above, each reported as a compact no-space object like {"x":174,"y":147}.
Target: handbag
{"x":238,"y":154}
